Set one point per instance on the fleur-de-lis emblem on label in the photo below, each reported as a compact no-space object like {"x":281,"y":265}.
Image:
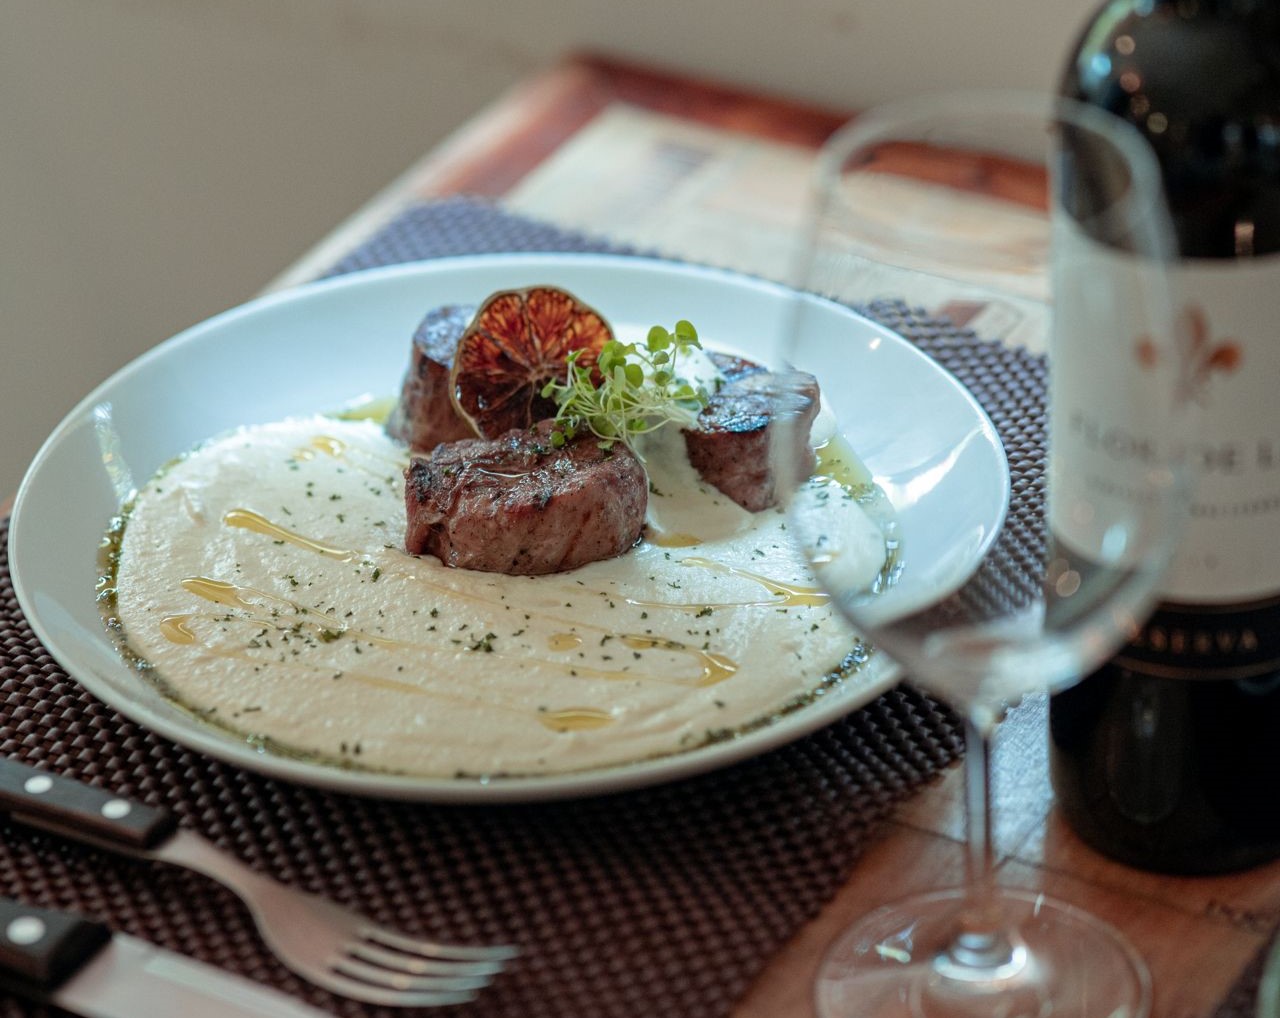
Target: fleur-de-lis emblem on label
{"x":1200,"y":355}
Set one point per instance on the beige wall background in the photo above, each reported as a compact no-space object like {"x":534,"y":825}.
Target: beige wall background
{"x":161,"y":160}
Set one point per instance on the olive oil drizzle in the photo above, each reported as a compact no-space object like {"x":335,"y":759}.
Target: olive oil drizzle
{"x":177,"y":629}
{"x":715,"y":667}
{"x":371,"y":408}
{"x":837,"y":460}
{"x":575,"y":719}
{"x":374,"y":680}
{"x":336,"y":448}
{"x":247,"y":519}
{"x":666,"y":539}
{"x":712,"y":667}
{"x":326,"y":444}
{"x":786,"y":595}
{"x":362,"y":460}
{"x":790,"y":595}
{"x":235,"y":596}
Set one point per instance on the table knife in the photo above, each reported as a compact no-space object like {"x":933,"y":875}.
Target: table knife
{"x":326,"y":943}
{"x":79,"y":965}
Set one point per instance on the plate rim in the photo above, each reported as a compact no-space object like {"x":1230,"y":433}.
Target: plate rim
{"x":608,"y":779}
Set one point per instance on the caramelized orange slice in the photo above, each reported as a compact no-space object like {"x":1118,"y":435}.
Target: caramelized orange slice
{"x":517,"y":342}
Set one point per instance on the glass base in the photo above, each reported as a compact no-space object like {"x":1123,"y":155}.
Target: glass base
{"x":906,"y":961}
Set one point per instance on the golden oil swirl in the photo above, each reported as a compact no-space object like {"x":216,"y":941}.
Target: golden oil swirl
{"x":219,"y":592}
{"x":712,"y":666}
{"x":325,"y":445}
{"x":671,"y":539}
{"x":785,"y":595}
{"x":789,"y":595}
{"x":177,"y":628}
{"x":247,"y":519}
{"x":575,"y":719}
{"x":715,"y":667}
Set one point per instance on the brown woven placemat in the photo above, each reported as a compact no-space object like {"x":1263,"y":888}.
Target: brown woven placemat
{"x":663,"y":901}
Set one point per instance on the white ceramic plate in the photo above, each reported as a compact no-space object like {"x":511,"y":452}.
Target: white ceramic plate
{"x":337,"y":342}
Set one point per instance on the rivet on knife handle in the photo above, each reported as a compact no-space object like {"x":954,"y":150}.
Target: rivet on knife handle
{"x":60,"y":804}
{"x":41,"y":947}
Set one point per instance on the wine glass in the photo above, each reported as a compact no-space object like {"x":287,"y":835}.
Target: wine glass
{"x":1049,"y":217}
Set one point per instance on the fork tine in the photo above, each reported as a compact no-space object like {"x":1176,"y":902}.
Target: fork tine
{"x":434,"y":949}
{"x":357,"y":990}
{"x":375,"y":975}
{"x":416,"y":965}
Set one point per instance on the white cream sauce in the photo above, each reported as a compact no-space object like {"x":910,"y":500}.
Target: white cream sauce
{"x":263,"y":581}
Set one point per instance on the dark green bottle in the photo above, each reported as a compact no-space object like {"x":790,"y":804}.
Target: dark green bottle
{"x":1168,"y":756}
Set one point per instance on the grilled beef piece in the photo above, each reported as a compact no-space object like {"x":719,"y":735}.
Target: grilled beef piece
{"x":733,"y":367}
{"x":730,"y":447}
{"x":516,"y":505}
{"x":425,"y":415}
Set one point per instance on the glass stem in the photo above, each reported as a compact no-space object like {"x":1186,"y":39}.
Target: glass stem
{"x":981,"y":947}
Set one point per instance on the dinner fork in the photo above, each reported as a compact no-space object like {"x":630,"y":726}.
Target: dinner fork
{"x":323,"y":942}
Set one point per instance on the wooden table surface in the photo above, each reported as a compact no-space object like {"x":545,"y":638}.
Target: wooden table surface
{"x":1196,"y":934}
{"x":527,"y":151}
{"x":722,"y":153}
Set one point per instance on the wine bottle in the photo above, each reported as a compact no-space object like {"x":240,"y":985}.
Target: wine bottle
{"x":1168,"y":756}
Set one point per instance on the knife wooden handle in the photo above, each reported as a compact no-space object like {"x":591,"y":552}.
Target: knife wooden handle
{"x":40,"y":947}
{"x":69,"y":807}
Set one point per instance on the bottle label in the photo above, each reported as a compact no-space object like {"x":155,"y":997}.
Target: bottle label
{"x":1218,"y":359}
{"x":1223,"y":366}
{"x":1112,"y":401}
{"x":1229,"y":373}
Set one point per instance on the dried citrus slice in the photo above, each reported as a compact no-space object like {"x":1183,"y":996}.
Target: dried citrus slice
{"x":517,"y":342}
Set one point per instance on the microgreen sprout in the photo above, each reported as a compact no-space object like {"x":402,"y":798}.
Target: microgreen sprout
{"x":639,"y":389}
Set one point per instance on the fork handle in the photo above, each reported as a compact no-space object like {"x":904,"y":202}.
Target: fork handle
{"x":69,"y":807}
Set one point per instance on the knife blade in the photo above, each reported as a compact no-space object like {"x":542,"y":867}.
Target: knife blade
{"x":61,"y":958}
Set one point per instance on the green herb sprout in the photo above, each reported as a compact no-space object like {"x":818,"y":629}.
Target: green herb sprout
{"x":640,"y":389}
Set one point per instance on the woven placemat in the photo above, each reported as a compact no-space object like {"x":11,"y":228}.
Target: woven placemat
{"x":663,"y":901}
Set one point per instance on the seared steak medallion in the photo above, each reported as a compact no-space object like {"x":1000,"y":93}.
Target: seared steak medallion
{"x":733,"y":367}
{"x":425,"y":416}
{"x":730,"y":447}
{"x":517,"y":505}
